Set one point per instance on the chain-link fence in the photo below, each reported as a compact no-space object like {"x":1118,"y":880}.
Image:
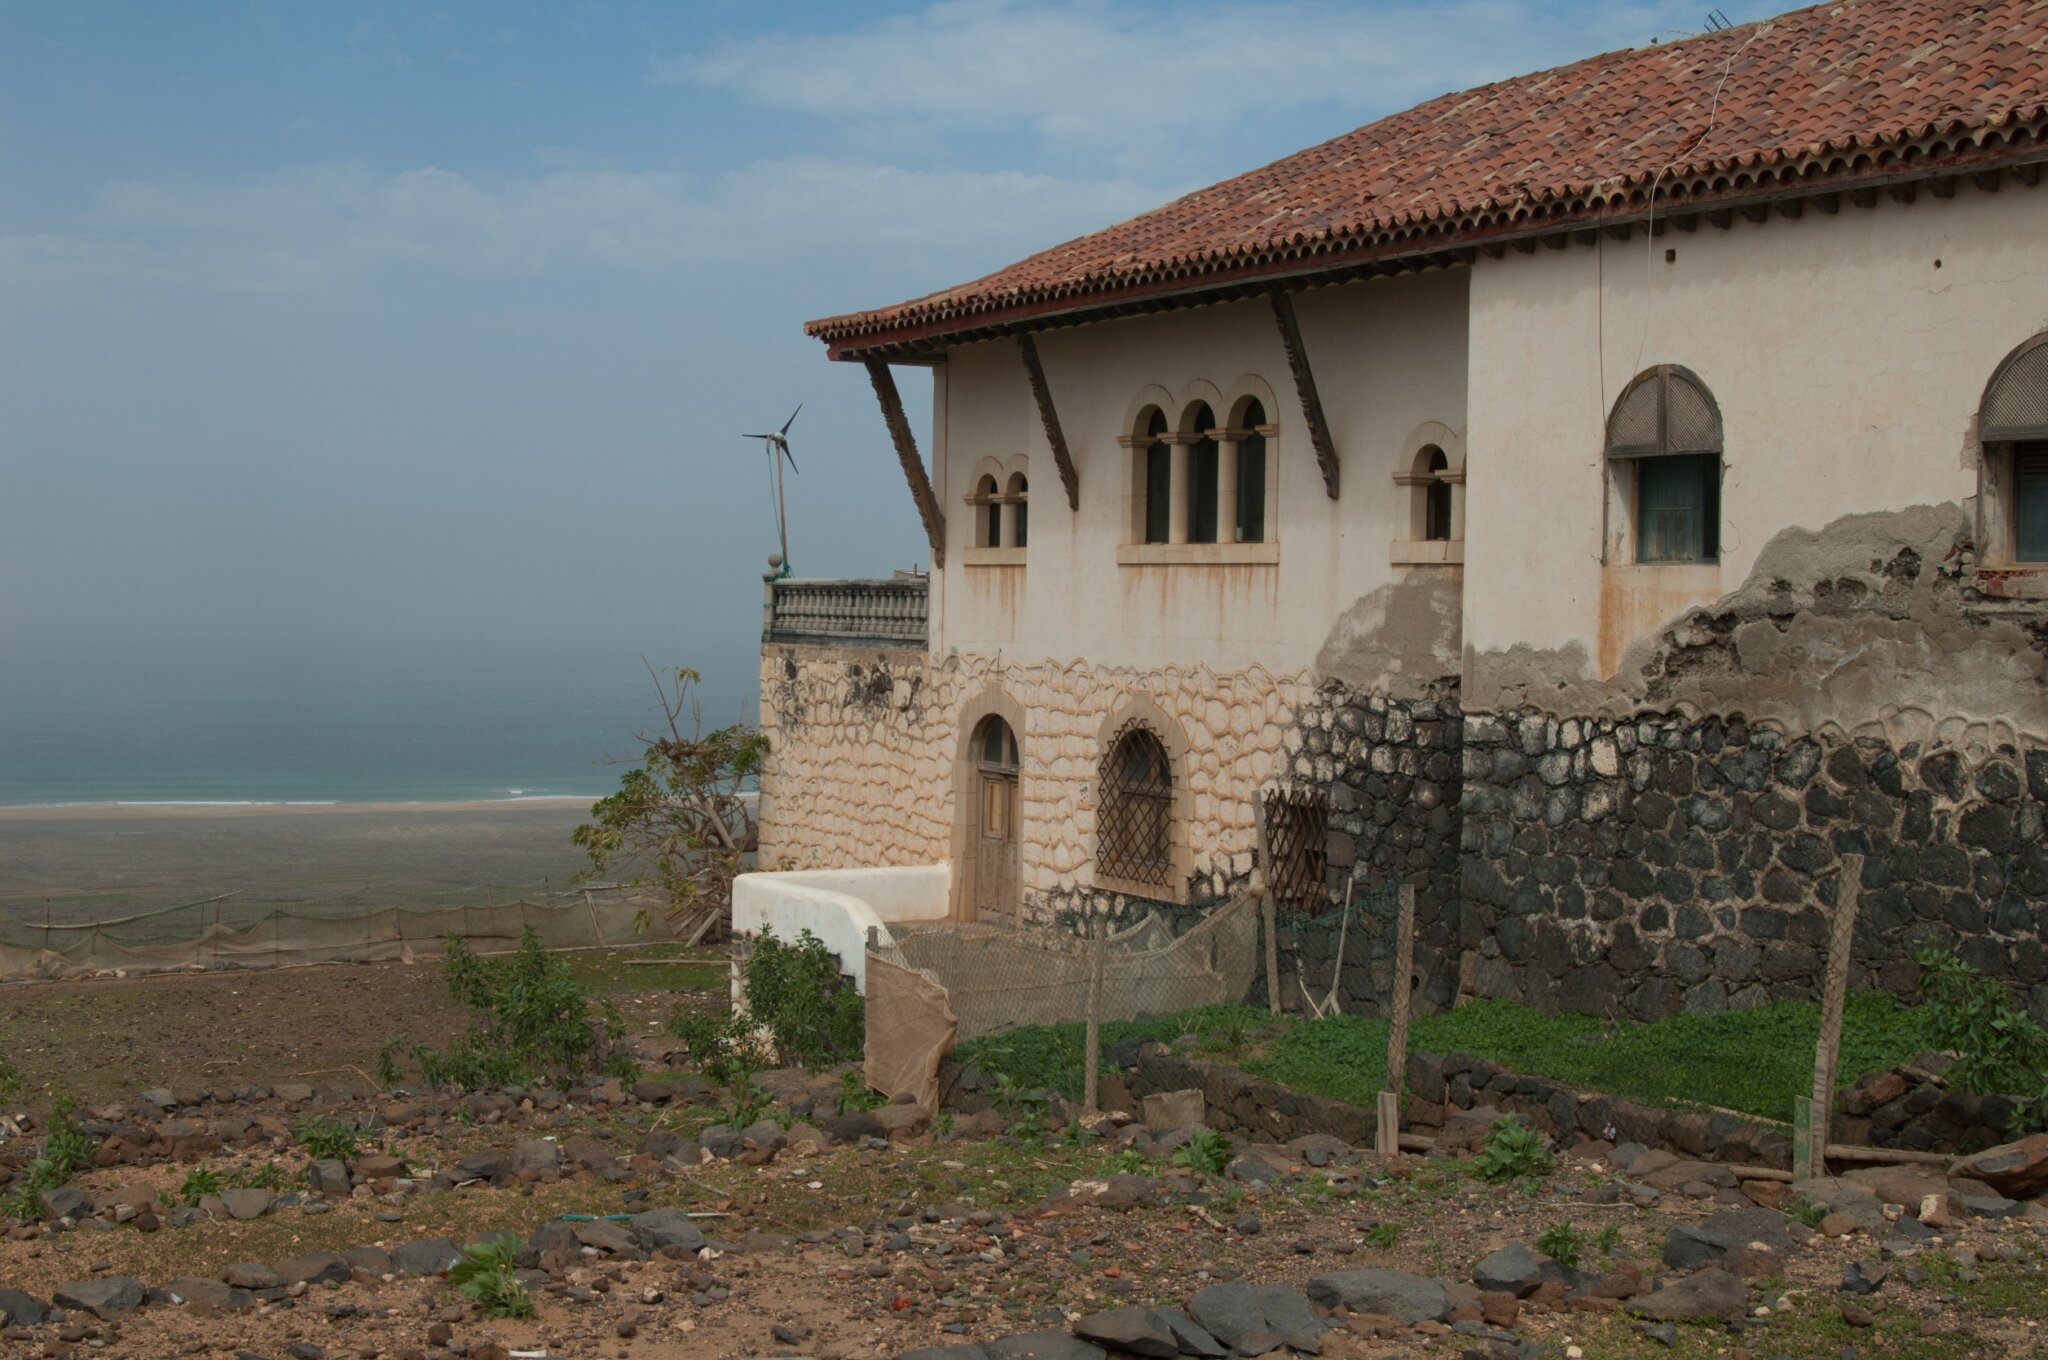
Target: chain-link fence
{"x":234,"y":931}
{"x":937,"y":983}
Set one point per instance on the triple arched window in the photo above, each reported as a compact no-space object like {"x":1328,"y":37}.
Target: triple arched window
{"x":1197,"y":478}
{"x":1664,"y":449}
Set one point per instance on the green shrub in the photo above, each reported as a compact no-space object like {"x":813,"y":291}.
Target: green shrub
{"x":1513,"y":1150}
{"x":1804,"y":1210}
{"x":67,"y":1149}
{"x":1383,"y":1236}
{"x":325,"y":1139}
{"x":2001,"y":1049}
{"x":485,"y":1274}
{"x":1205,"y":1150}
{"x":795,"y":992}
{"x":532,"y":1017}
{"x":1562,"y":1243}
{"x":855,"y":1097}
{"x":1608,"y":1239}
{"x":10,"y":1080}
{"x":199,"y":1184}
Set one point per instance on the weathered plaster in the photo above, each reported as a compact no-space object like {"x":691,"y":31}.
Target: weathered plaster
{"x":1400,"y":639}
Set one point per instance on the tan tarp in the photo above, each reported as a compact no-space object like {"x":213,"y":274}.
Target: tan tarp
{"x":910,"y":1028}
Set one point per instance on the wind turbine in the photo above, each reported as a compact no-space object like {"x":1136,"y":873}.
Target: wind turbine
{"x":777,"y":447}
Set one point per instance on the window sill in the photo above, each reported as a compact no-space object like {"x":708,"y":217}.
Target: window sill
{"x":1198,"y":554}
{"x":1706,"y":567}
{"x":1137,"y":887}
{"x":2014,"y":580}
{"x":992,"y":557}
{"x":1427,"y":552}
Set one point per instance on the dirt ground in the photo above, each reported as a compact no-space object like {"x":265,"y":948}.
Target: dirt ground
{"x":110,"y":1037}
{"x":849,"y":1248}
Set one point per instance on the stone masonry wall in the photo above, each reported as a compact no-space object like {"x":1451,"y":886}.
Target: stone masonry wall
{"x":1645,"y":866}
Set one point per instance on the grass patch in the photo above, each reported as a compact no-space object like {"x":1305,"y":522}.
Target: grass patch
{"x":618,"y":972}
{"x":1753,"y":1061}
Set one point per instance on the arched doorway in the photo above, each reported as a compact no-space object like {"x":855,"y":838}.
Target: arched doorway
{"x":998,"y":823}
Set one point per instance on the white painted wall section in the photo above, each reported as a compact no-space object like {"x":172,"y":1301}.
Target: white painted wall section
{"x":839,"y":906}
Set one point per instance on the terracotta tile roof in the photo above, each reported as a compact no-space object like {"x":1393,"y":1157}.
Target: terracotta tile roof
{"x":1836,"y":84}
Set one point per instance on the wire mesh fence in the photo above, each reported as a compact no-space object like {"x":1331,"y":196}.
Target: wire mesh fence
{"x":236,"y":931}
{"x":931,"y":985}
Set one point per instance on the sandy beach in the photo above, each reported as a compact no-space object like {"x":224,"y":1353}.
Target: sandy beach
{"x":100,"y":861}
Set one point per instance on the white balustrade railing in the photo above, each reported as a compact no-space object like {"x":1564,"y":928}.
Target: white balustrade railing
{"x":890,"y":613}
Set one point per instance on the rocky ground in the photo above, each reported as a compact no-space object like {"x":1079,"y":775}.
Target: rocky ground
{"x":649,"y":1227}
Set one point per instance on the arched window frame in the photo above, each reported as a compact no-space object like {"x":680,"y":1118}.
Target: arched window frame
{"x":996,"y":498}
{"x":1186,"y":501}
{"x":2012,"y":464}
{"x":1664,"y":475}
{"x":1432,"y":474}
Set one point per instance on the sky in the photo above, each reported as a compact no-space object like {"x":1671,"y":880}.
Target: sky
{"x":389,"y":346}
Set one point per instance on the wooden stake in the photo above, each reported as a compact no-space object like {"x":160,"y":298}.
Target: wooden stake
{"x":1093,"y":1071}
{"x":1835,"y":991}
{"x":1387,"y":1136}
{"x":1271,"y":916}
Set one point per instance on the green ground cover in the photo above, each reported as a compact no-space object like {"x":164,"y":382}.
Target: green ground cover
{"x":1752,"y":1061}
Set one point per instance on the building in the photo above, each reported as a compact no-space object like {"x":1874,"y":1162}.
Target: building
{"x":1602,"y":498}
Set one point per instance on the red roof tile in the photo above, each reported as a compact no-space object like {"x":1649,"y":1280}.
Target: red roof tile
{"x":1835,"y":80}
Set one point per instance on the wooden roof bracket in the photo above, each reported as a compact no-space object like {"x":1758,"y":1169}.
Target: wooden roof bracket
{"x":1042,"y":394}
{"x":1305,"y":388}
{"x":906,"y":454}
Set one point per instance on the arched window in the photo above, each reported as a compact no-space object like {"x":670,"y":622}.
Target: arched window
{"x":1251,"y":474}
{"x":988,"y":514}
{"x":1664,"y":436}
{"x":1158,"y":480}
{"x":1200,"y":425}
{"x":1019,"y":495}
{"x":2012,"y":426}
{"x":1134,"y":822}
{"x":1436,"y":497}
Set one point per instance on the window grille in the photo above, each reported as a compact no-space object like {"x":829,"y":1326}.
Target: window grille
{"x":2016,"y":403}
{"x":1134,"y":821}
{"x":1664,"y":413}
{"x":1297,"y":825}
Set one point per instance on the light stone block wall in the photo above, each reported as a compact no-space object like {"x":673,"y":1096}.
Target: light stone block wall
{"x":864,"y":746}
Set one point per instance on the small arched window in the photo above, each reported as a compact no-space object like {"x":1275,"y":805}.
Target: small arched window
{"x":1158,"y":480}
{"x":1019,"y":496}
{"x":2012,"y":425}
{"x":1251,"y":474}
{"x":1134,"y":822}
{"x":1202,"y":468}
{"x":988,"y":517}
{"x":1436,"y":497}
{"x":1665,"y":437}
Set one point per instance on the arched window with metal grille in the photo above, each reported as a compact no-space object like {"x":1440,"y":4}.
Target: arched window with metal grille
{"x":2012,"y":426}
{"x":1665,"y":435}
{"x":1134,"y":819}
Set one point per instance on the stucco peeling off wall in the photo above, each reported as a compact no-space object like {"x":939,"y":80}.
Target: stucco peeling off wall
{"x":1869,"y":627}
{"x":863,"y":748}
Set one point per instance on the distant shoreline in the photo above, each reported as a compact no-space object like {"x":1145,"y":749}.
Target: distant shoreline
{"x":38,"y":812}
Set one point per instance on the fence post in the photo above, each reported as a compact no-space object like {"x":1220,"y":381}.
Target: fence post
{"x":1093,"y":1071}
{"x":1269,"y":915}
{"x":1810,"y":1154}
{"x":1387,"y":1125}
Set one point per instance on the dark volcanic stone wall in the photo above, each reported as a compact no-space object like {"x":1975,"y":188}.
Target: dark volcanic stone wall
{"x":1643,"y":867}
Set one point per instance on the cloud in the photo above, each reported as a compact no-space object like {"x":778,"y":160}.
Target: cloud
{"x":1106,"y":73}
{"x":330,"y":226}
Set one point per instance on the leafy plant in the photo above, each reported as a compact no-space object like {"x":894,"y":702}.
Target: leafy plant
{"x":2001,"y":1049}
{"x":1513,"y":1150}
{"x":1023,"y":1106}
{"x":1225,"y":1031}
{"x":1079,"y":1134}
{"x":1130,"y":1161}
{"x":328,"y":1139}
{"x":1205,"y":1151}
{"x":199,"y":1184}
{"x":389,"y":1073}
{"x":795,"y":991}
{"x":942,"y":1124}
{"x":530,"y":1015}
{"x":1383,"y":1235}
{"x":1562,"y":1243}
{"x":854,"y":1095}
{"x":1608,"y":1239}
{"x":1805,"y":1211}
{"x":679,"y":822}
{"x":67,"y":1149}
{"x":485,"y":1274}
{"x":10,"y":1080}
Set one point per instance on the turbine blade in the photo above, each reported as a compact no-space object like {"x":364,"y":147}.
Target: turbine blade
{"x":792,"y":419}
{"x":790,"y":456}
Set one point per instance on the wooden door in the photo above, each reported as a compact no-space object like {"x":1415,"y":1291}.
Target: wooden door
{"x":998,"y":821}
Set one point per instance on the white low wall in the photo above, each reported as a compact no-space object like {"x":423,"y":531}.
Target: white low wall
{"x":839,"y":906}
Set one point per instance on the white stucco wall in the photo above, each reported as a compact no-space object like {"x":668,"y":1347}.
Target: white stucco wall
{"x":838,"y":906}
{"x":1847,"y":353}
{"x":1388,"y":355}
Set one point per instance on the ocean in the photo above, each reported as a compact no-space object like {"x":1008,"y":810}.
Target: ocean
{"x":257,"y":739}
